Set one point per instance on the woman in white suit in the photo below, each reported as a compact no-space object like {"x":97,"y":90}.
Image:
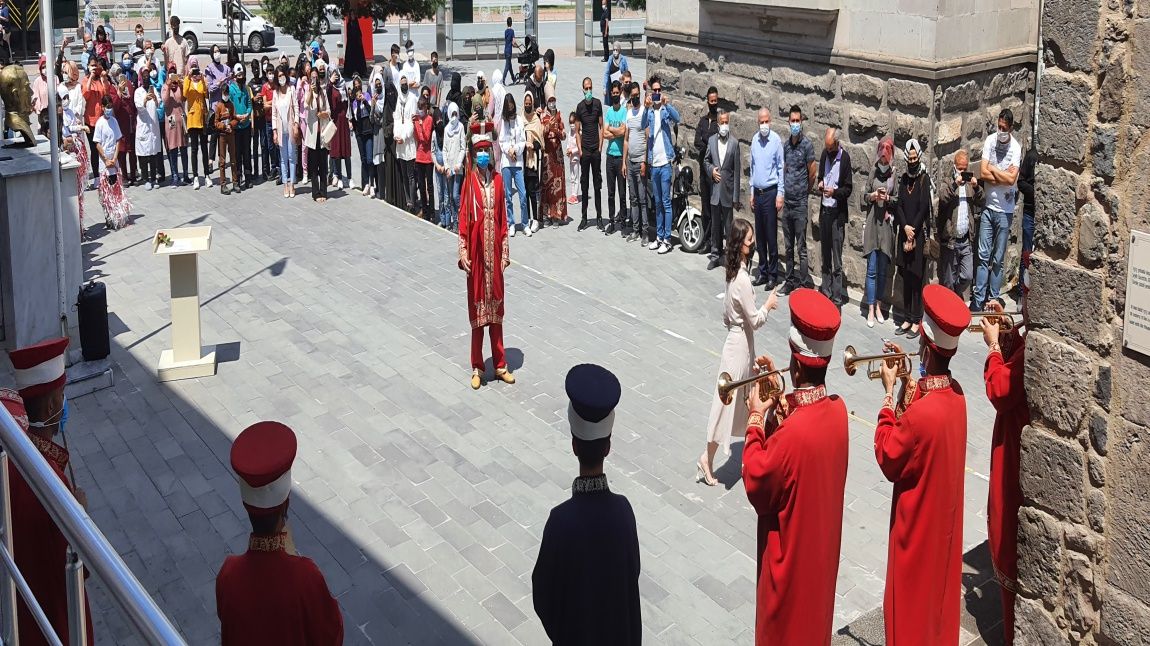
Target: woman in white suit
{"x":741,"y":316}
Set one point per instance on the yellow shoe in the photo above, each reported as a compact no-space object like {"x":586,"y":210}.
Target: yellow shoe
{"x":505,"y":375}
{"x":476,"y":380}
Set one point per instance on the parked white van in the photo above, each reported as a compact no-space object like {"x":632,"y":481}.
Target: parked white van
{"x":204,"y":24}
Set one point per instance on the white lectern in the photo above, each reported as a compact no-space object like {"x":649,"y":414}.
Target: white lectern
{"x":187,"y":359}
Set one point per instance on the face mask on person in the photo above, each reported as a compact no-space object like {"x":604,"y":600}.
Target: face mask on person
{"x":796,"y":129}
{"x":148,"y":53}
{"x":482,"y":159}
{"x":454,"y":119}
{"x":724,"y":130}
{"x":1003,"y":136}
{"x":913,"y":169}
{"x":322,"y":76}
{"x":410,"y":56}
{"x":883,"y":168}
{"x":62,"y":416}
{"x":615,"y":98}
{"x":617,"y":54}
{"x":635,"y":101}
{"x":480,"y":85}
{"x":765,"y":129}
{"x":712,"y":109}
{"x":588,"y":95}
{"x":154,"y":74}
{"x":551,"y":106}
{"x":282,"y":79}
{"x":216,"y":57}
{"x":108,"y":113}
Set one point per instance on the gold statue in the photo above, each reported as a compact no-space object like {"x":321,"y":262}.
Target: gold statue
{"x":17,"y":95}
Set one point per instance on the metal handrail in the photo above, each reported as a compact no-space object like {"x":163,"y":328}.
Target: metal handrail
{"x":85,"y":538}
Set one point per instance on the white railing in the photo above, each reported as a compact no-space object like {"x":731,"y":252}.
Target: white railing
{"x":88,"y":547}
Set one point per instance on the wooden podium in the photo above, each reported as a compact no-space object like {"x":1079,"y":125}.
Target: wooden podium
{"x":187,"y":359}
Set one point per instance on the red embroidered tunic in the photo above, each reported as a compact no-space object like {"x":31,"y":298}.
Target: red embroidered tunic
{"x":41,"y":550}
{"x":795,"y":479}
{"x":923,"y":452}
{"x":483,"y":241}
{"x":268,"y":596}
{"x":1007,"y":393}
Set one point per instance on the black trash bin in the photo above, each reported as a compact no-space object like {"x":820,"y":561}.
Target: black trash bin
{"x":92,"y":306}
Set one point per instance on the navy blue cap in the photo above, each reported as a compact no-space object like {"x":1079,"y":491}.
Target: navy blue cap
{"x":594,"y":393}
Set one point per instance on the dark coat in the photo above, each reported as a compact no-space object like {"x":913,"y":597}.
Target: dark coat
{"x":846,"y":179}
{"x":913,"y":208}
{"x":585,"y":584}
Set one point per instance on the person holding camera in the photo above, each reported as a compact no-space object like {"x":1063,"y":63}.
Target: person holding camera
{"x":878,"y":230}
{"x":960,"y":201}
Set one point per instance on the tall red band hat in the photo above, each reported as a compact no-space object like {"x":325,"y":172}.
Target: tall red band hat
{"x":814,"y":322}
{"x":40,"y":368}
{"x":945,"y":317}
{"x":15,"y":405}
{"x":262,"y":457}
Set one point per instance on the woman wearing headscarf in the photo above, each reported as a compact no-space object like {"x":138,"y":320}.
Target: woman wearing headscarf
{"x":146,"y":101}
{"x":302,"y":85}
{"x":196,"y":95}
{"x":454,"y":94}
{"x":912,"y":223}
{"x":878,"y":229}
{"x":552,"y":192}
{"x":532,"y":158}
{"x":123,"y":105}
{"x":382,"y":145}
{"x":175,"y":137}
{"x":454,"y":158}
{"x":73,"y":137}
{"x":359,"y":114}
{"x":495,"y":108}
{"x":341,"y":143}
{"x":403,"y":119}
{"x":218,"y":75}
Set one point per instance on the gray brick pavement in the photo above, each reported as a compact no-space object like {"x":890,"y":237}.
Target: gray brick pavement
{"x":421,"y":500}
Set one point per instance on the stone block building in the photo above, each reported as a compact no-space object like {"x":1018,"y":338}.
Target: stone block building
{"x":936,"y":70}
{"x":1084,"y":530}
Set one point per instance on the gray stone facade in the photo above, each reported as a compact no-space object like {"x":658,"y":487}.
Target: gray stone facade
{"x":944,"y":114}
{"x":1084,"y":530}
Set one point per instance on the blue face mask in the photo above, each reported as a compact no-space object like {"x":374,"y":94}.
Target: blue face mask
{"x":483,"y":159}
{"x":796,"y":129}
{"x":64,"y":415}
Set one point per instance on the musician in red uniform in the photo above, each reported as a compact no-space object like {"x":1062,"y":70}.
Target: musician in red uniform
{"x":1005,"y":364}
{"x":270,"y":594}
{"x":41,"y":550}
{"x":795,"y":473}
{"x":921,"y":448}
{"x":484,"y":256}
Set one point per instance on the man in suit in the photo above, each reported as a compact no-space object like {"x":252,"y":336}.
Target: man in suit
{"x":835,"y":185}
{"x":723,"y":168}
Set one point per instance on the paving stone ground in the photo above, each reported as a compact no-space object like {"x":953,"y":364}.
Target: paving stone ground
{"x":421,"y":500}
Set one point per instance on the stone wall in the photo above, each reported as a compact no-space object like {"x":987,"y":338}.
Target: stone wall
{"x":944,"y":115}
{"x":1084,"y":530}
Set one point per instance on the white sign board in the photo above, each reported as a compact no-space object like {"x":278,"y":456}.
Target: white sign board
{"x":1136,"y":327}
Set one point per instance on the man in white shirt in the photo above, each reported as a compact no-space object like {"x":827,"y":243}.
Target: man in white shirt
{"x":410,"y":69}
{"x":107,"y":136}
{"x":1001,"y":159}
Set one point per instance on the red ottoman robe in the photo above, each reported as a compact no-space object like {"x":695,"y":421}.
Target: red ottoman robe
{"x":483,"y":240}
{"x":1007,"y":393}
{"x":42,"y":551}
{"x":795,"y":480}
{"x":267,"y":596}
{"x":923,"y":453}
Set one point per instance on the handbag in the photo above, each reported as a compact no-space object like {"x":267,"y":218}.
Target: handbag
{"x":328,"y":133}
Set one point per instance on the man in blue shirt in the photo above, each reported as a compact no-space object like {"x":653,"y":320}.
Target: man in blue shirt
{"x":508,"y":44}
{"x":768,"y":190}
{"x":659,"y":120}
{"x":616,"y":133}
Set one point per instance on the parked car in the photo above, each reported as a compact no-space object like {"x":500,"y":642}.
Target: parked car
{"x":204,"y":25}
{"x":332,"y":21}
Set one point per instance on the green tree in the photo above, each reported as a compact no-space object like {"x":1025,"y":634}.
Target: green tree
{"x":300,"y":18}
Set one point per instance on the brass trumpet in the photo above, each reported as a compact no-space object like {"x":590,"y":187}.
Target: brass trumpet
{"x":851,"y":359}
{"x":1006,"y":319}
{"x":727,"y":386}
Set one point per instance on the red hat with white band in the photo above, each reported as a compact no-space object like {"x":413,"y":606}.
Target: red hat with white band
{"x":814,"y":323}
{"x":945,"y":317}
{"x":262,"y":457}
{"x":40,"y":368}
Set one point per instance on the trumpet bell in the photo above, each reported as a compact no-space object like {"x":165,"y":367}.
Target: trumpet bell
{"x":727,"y":385}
